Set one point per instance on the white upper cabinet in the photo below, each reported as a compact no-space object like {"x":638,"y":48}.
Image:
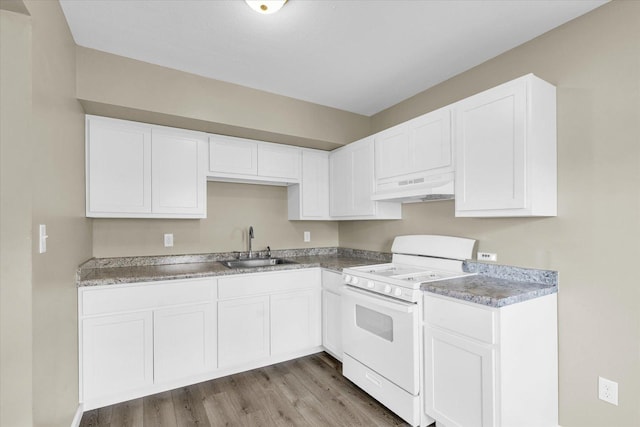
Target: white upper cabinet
{"x":233,"y":155}
{"x":506,"y":151}
{"x":415,"y":159}
{"x":243,"y":160}
{"x":310,"y":199}
{"x":351,"y":178}
{"x":419,"y":145}
{"x":279,"y":161}
{"x":178,"y":184}
{"x":118,"y":167}
{"x":135,"y":170}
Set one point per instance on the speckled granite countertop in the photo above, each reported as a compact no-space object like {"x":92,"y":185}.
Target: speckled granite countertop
{"x":110,"y":271}
{"x":493,"y":285}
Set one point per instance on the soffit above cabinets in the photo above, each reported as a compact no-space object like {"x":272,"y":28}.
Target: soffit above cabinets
{"x":356,"y":56}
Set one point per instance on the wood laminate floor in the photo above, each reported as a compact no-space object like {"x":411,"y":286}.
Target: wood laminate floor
{"x":309,"y":391}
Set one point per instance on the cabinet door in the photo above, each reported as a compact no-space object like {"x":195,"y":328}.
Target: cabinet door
{"x":179,"y":182}
{"x":243,"y":331}
{"x":315,"y":184}
{"x":340,"y":182}
{"x":117,"y":354}
{"x":490,"y":147}
{"x":183,"y":341}
{"x":279,"y":161}
{"x":118,"y":162}
{"x":392,"y":152}
{"x":430,"y":142}
{"x":362,"y":177}
{"x":459,"y":380}
{"x":295,"y":321}
{"x":232,"y":155}
{"x":331,"y":323}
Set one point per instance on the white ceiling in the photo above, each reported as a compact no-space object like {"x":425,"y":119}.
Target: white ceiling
{"x":359,"y":56}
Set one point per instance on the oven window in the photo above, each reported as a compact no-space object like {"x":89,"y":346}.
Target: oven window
{"x":375,"y":322}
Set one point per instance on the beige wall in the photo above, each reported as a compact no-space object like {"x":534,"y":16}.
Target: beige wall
{"x":231,"y":209}
{"x":593,"y":242}
{"x":119,"y":87}
{"x":15,"y":220}
{"x":58,"y":201}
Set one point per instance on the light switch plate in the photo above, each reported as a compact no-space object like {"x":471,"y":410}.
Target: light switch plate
{"x":307,"y":236}
{"x":42,"y":247}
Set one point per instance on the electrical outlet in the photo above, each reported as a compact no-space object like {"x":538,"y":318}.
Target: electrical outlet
{"x":487,"y":256}
{"x":608,"y":390}
{"x":168,"y":240}
{"x":307,"y":236}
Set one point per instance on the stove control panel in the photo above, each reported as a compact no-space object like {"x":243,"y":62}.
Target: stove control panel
{"x":399,"y":292}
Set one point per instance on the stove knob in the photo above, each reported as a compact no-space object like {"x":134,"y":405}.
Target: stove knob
{"x":354,"y":280}
{"x":387,"y":289}
{"x":397,"y":292}
{"x":371,"y":284}
{"x":347,"y":278}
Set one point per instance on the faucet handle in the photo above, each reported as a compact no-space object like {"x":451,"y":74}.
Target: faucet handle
{"x":268,"y":251}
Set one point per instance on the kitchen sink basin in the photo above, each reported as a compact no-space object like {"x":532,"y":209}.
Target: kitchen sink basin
{"x":255,"y":262}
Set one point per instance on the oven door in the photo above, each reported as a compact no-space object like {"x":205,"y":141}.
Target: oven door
{"x":383,"y":334}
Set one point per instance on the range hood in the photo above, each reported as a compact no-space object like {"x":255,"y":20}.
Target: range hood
{"x":415,"y":188}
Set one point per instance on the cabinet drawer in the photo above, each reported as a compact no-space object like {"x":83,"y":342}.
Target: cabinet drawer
{"x":472,"y":321}
{"x":146,"y":296}
{"x":266,"y":283}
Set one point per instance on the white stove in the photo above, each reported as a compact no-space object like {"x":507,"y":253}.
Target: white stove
{"x":382,"y":314}
{"x":416,"y":260}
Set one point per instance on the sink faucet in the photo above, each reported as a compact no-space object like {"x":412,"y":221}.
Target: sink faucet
{"x":250,"y":238}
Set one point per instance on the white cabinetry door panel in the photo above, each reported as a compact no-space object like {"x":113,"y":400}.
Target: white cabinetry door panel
{"x":331,"y":326}
{"x":279,"y":161}
{"x":295,"y":321}
{"x":506,"y":151}
{"x":178,"y":176}
{"x":233,"y":155}
{"x":363,"y":179}
{"x":460,"y":380}
{"x":430,"y":141}
{"x":118,"y":158}
{"x":184,"y":341}
{"x":392,"y":152}
{"x":491,"y":145}
{"x":332,"y":313}
{"x":243,"y":331}
{"x":310,"y":199}
{"x":341,"y":188}
{"x":117,"y":354}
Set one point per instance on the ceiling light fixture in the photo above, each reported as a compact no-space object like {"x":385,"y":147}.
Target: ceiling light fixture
{"x":266,"y":7}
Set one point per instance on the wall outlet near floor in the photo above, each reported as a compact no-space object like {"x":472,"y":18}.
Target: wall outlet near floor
{"x":307,"y":236}
{"x":487,"y":256}
{"x":168,"y":240}
{"x":608,"y":390}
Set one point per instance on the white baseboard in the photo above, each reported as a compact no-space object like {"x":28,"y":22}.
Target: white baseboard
{"x":78,"y":416}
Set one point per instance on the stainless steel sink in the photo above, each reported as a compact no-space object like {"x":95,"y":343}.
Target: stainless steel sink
{"x":255,"y":262}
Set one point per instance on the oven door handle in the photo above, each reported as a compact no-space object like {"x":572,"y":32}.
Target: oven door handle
{"x":386,"y":302}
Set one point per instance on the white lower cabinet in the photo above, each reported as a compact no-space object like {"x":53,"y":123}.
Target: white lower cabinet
{"x":488,"y":366}
{"x":268,"y":316}
{"x":461,"y":378}
{"x":332,"y":313}
{"x":143,"y":338}
{"x":183,"y":341}
{"x":295,"y":321}
{"x":243,"y":330}
{"x":117,"y":354}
